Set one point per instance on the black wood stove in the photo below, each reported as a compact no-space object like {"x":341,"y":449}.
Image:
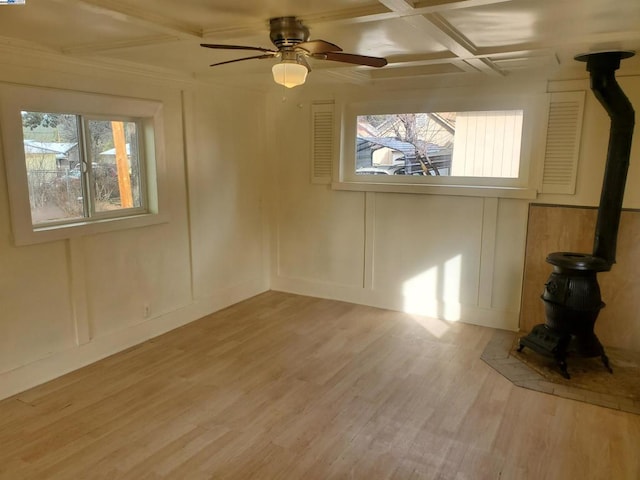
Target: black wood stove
{"x":571,"y":295}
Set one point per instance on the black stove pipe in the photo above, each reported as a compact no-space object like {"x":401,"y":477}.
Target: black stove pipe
{"x":572,"y":294}
{"x":602,"y":67}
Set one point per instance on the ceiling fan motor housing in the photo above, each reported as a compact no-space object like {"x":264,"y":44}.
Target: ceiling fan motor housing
{"x":287,"y":31}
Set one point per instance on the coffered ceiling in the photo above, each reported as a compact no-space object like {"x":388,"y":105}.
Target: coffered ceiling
{"x":427,"y":38}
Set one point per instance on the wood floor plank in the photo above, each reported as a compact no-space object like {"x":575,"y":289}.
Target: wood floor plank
{"x":289,"y":387}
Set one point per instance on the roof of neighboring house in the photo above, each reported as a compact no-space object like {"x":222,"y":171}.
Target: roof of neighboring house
{"x":60,"y":148}
{"x":406,"y":148}
{"x":112,"y":151}
{"x":365,"y":129}
{"x":394,"y":144}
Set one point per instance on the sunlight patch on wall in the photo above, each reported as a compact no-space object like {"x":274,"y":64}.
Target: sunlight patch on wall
{"x":436,"y":291}
{"x":451,"y":290}
{"x":420,"y":294}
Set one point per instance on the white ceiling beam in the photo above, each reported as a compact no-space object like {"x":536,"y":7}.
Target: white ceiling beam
{"x":399,"y":6}
{"x":430,"y":6}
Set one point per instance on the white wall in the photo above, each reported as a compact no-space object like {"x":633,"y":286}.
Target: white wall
{"x":452,"y":257}
{"x":455,"y":258}
{"x":68,"y":303}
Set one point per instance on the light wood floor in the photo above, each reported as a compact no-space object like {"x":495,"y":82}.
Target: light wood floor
{"x":290,"y":387}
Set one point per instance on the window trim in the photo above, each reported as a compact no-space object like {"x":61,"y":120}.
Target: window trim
{"x":17,"y":98}
{"x":534,"y":106}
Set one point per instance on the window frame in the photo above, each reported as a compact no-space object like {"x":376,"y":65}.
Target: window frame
{"x":148,"y":114}
{"x":93,"y":214}
{"x":534,"y":107}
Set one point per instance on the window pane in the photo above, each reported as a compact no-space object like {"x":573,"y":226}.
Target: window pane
{"x":52,"y":161}
{"x":461,"y":144}
{"x":113,"y":153}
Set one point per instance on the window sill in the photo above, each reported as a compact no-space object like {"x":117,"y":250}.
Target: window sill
{"x":31,"y":235}
{"x":458,"y":190}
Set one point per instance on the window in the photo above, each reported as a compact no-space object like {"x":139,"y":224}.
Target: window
{"x":458,"y":144}
{"x":80,"y":163}
{"x":473,"y":150}
{"x":81,"y":168}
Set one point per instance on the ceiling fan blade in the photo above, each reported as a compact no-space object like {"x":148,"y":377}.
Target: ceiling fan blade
{"x":352,"y":58}
{"x":236,"y":47}
{"x":269,"y":55}
{"x":318,"y":46}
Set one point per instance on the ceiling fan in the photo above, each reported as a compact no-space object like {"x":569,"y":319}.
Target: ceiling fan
{"x":291,"y":38}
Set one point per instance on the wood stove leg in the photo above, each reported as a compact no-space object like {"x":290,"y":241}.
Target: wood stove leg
{"x":599,"y":349}
{"x":605,"y":361}
{"x":560,"y":354}
{"x":562,"y":364}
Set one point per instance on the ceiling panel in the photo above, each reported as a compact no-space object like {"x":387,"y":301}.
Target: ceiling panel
{"x":58,"y":25}
{"x":393,"y":36}
{"x":544,"y":22}
{"x":227,"y":14}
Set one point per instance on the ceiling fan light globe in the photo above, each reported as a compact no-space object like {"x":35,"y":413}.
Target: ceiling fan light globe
{"x":289,"y":73}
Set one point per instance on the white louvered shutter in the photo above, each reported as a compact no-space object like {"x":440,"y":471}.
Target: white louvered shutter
{"x":322,"y":142}
{"x":562,"y":150}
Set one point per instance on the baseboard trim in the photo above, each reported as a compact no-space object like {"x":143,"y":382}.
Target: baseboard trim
{"x":503,"y":319}
{"x":57,"y":364}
